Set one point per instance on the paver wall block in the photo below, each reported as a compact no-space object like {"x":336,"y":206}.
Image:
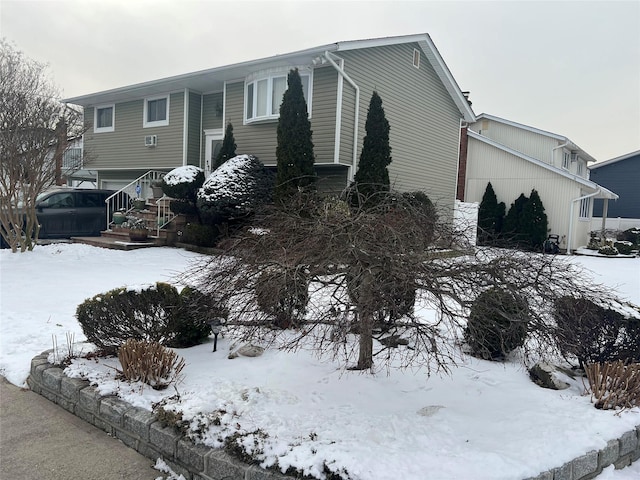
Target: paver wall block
{"x":70,"y":387}
{"x":219,"y":465}
{"x":542,"y":476}
{"x":39,"y":370}
{"x":138,"y":420}
{"x":66,"y":404}
{"x":37,"y":361}
{"x":622,"y":462}
{"x":257,"y":473}
{"x":129,"y":440}
{"x":148,"y":450}
{"x":85,"y":415}
{"x":49,"y":395}
{"x":585,"y":465}
{"x":163,"y":438}
{"x":628,"y":442}
{"x":192,"y":454}
{"x":563,"y":473}
{"x":178,"y":468}
{"x":51,"y":379}
{"x":112,"y":410}
{"x":609,"y":454}
{"x":89,"y":399}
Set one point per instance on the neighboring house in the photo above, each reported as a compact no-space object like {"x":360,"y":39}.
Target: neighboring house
{"x":622,"y":175}
{"x":517,"y":158}
{"x":73,"y":166}
{"x":180,"y":120}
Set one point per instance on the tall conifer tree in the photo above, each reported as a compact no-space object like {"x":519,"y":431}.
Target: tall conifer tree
{"x":294,"y":152}
{"x":534,"y":221}
{"x":372,"y":176}
{"x":228,"y":149}
{"x":490,"y":216}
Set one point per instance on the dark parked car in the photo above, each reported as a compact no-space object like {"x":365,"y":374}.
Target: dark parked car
{"x":72,"y":212}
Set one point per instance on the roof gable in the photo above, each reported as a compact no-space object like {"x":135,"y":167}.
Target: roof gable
{"x":213,"y":79}
{"x":616,"y":160}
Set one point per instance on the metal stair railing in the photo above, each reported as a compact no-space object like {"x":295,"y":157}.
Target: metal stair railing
{"x":122,"y":200}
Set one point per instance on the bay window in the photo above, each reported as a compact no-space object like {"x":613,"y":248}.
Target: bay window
{"x":263,"y":95}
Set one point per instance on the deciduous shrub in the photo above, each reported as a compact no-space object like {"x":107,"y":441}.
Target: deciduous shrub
{"x":149,"y":362}
{"x":284,"y":294}
{"x":595,"y":334}
{"x":157,"y":314}
{"x":497,"y":324}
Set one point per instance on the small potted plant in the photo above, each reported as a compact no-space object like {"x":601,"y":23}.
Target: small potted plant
{"x":139,"y":204}
{"x":138,"y":231}
{"x":156,"y":188}
{"x":119,"y":217}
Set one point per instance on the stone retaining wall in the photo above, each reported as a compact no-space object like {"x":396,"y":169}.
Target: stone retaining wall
{"x":139,"y":429}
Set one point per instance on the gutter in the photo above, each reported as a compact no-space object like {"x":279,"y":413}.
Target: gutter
{"x":579,"y":199}
{"x":343,"y":74}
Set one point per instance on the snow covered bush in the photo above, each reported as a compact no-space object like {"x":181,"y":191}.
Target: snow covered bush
{"x":158,"y":313}
{"x":497,"y":324}
{"x":182,"y":185}
{"x":234,"y":190}
{"x":623,"y":247}
{"x":608,"y":250}
{"x":596,"y":334}
{"x":150,"y":363}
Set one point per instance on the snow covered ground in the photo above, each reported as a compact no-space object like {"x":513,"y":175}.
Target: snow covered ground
{"x":485,"y":421}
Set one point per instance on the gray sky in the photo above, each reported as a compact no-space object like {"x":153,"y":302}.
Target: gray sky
{"x":571,"y":68}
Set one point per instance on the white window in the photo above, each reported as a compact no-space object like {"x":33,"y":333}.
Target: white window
{"x":104,"y":118}
{"x":263,"y":95}
{"x":566,"y":158}
{"x":580,"y":168}
{"x":156,"y":111}
{"x":585,"y":208}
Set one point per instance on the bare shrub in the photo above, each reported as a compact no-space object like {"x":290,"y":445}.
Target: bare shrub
{"x":614,"y":384}
{"x":150,"y":363}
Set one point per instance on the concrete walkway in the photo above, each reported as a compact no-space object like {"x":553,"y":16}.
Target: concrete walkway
{"x":41,"y":441}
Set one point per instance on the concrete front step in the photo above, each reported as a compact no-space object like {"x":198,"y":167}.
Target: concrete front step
{"x":118,"y":242}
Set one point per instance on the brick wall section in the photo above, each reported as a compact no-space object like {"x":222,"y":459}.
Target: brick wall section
{"x":462,"y":164}
{"x":138,"y":429}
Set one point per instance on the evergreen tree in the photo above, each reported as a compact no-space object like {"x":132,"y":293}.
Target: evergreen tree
{"x":513,"y":228}
{"x":490,"y":216}
{"x":372,"y":175}
{"x":294,"y":152}
{"x":534,"y":221}
{"x":228,"y":149}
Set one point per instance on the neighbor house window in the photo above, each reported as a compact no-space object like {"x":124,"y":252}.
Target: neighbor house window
{"x":104,"y":118}
{"x":156,"y":111}
{"x":585,"y":208}
{"x":566,"y":157}
{"x":580,"y":168}
{"x":263,"y":96}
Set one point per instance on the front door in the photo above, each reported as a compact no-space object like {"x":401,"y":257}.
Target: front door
{"x":213,"y":144}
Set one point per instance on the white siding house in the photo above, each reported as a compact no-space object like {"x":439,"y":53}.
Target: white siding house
{"x":518,"y":158}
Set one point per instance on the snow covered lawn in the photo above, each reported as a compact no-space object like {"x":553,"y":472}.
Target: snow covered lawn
{"x":485,"y":421}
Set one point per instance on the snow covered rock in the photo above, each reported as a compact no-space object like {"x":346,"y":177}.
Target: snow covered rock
{"x":546,"y":375}
{"x":245,"y":351}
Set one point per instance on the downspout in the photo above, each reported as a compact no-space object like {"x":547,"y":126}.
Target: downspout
{"x":354,"y":161}
{"x":201,"y":131}
{"x":579,"y":199}
{"x":555,"y":148}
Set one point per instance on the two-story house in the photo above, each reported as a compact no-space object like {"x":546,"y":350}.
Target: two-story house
{"x":180,"y":120}
{"x":517,"y":158}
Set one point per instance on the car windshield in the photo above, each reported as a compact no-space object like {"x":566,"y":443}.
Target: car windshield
{"x":39,"y":198}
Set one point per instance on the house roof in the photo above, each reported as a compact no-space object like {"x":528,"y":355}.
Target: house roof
{"x":212,"y":80}
{"x":555,"y":136}
{"x":615,"y":160}
{"x":604,"y":193}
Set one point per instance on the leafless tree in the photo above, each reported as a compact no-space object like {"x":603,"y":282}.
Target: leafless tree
{"x":364,"y":268}
{"x":34,"y":127}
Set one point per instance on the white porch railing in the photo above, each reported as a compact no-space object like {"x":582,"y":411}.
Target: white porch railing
{"x":141,"y":188}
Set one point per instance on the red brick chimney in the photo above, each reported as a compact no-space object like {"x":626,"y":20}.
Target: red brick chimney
{"x":462,"y":164}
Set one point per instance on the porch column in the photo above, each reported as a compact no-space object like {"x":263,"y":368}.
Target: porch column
{"x":605,"y":207}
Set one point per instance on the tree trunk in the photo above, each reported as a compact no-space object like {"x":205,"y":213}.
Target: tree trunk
{"x":365,"y":300}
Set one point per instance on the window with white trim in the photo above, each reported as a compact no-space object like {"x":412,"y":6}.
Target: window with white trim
{"x":104,"y":118}
{"x":156,"y":111}
{"x":585,"y":208}
{"x":263,"y":96}
{"x":580,"y":168}
{"x":566,"y":158}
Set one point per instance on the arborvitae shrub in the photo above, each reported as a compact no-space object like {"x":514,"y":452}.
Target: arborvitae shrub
{"x":183,"y":182}
{"x":228,"y":149}
{"x":283,"y":294}
{"x":490,"y":217}
{"x":497,"y":324}
{"x":154,"y":314}
{"x":183,"y":207}
{"x":624,"y":248}
{"x":595,"y":334}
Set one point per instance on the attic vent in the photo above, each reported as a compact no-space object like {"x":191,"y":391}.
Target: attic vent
{"x":150,"y":140}
{"x":416,"y":58}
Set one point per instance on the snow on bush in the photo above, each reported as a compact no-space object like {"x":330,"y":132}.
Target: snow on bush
{"x":183,"y":182}
{"x":235,"y":188}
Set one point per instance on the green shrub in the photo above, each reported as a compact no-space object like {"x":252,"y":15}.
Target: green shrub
{"x":595,"y":334}
{"x":183,"y":207}
{"x":608,"y":250}
{"x":155,"y":314}
{"x":200,"y":235}
{"x":497,"y":324}
{"x":283,"y":294}
{"x":630,"y":235}
{"x":183,"y":182}
{"x":624,"y":248}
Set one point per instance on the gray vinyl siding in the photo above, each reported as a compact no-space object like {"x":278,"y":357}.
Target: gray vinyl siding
{"x":424,"y":120}
{"x":347,"y":126}
{"x":123,"y":149}
{"x":194,"y":131}
{"x":260,"y":139}
{"x":210,"y":117}
{"x":622,"y":178}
